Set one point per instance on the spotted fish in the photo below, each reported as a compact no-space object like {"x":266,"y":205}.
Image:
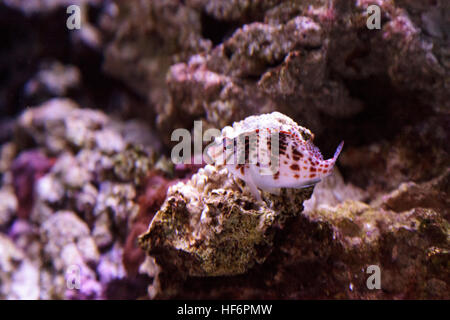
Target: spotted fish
{"x":269,"y":152}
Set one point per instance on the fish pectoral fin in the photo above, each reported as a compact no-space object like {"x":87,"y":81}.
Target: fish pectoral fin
{"x":309,"y":183}
{"x":276,"y":191}
{"x":251,"y":184}
{"x":254,"y":190}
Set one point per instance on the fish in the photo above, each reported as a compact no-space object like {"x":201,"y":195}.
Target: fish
{"x":270,"y":152}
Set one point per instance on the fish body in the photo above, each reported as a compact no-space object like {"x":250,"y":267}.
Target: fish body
{"x":269,"y":152}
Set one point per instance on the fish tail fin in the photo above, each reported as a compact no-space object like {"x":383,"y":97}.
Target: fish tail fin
{"x":332,"y":161}
{"x":338,"y":151}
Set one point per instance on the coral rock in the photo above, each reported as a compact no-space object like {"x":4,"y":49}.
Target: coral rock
{"x":211,"y":226}
{"x":19,"y":278}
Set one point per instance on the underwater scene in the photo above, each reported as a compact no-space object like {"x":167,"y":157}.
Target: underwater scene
{"x":224,"y":149}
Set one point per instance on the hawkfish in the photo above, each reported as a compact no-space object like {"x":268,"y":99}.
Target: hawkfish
{"x":269,"y":152}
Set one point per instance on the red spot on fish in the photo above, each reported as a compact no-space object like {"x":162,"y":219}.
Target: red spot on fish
{"x":297,"y":153}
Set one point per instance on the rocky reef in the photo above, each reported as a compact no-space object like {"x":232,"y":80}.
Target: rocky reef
{"x":92,"y":206}
{"x":209,"y":226}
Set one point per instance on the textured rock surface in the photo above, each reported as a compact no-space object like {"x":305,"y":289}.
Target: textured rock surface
{"x":323,"y":252}
{"x":8,"y":206}
{"x":78,"y":210}
{"x":54,"y":79}
{"x":67,"y":243}
{"x":302,"y":58}
{"x":19,"y":278}
{"x":209,"y":227}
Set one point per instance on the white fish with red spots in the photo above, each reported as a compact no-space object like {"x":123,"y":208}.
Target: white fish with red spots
{"x":271,"y":151}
